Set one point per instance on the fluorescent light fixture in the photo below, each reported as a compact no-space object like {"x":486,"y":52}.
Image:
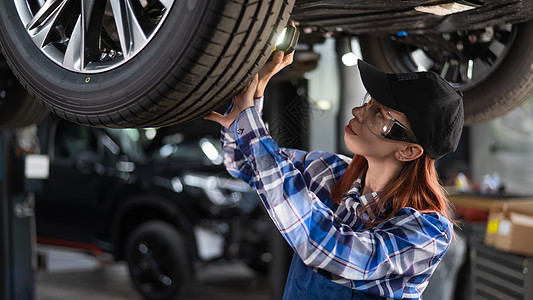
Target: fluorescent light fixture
{"x":323,"y":105}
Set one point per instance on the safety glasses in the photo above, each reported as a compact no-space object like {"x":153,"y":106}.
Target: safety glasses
{"x":380,"y":121}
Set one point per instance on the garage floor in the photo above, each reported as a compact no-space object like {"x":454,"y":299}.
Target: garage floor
{"x":73,"y":275}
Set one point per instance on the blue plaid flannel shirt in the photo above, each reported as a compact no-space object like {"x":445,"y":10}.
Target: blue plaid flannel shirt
{"x":394,"y":259}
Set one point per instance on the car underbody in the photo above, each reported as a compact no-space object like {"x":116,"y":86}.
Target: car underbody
{"x":389,"y":17}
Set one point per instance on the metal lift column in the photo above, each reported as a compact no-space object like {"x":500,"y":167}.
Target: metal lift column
{"x":17,"y":234}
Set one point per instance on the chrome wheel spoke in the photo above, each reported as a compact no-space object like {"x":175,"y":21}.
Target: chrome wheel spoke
{"x":75,"y":53}
{"x":92,"y":15}
{"x":49,"y":8}
{"x":167,"y":3}
{"x":131,"y":35}
{"x":503,"y":36}
{"x":462,"y":72}
{"x":87,"y":7}
{"x":489,"y":58}
{"x":42,"y":23}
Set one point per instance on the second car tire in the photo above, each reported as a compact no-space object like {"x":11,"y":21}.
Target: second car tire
{"x":157,"y":260}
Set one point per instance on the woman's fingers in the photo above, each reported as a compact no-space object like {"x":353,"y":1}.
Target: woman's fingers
{"x":271,"y":67}
{"x":240,"y":102}
{"x":245,"y":98}
{"x":225,"y":121}
{"x":278,"y":57}
{"x":287,"y":59}
{"x":249,"y":92}
{"x":215,"y":117}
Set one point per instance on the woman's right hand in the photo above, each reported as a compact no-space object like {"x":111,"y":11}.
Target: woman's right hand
{"x":271,"y":68}
{"x":241,"y":101}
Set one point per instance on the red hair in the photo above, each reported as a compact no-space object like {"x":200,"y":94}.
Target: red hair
{"x":416,"y":186}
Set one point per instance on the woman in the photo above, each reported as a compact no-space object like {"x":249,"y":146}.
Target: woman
{"x":371,"y":227}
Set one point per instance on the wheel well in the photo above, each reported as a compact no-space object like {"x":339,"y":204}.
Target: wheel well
{"x":140,"y":213}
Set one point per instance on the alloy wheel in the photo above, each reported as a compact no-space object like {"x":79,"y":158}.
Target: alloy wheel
{"x":92,"y":36}
{"x":463,"y":58}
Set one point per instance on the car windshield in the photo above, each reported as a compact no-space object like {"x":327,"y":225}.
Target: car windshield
{"x":192,"y":150}
{"x":129,"y":141}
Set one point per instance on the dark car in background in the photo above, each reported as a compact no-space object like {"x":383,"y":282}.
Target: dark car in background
{"x":165,"y":204}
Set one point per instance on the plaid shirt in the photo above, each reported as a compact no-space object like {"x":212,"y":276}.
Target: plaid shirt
{"x":394,"y":259}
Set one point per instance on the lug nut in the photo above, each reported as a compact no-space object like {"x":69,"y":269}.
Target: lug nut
{"x":460,"y":46}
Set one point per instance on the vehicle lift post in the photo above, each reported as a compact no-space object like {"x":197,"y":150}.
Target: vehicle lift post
{"x":17,"y":225}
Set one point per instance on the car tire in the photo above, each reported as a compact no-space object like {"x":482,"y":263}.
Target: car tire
{"x":202,"y":53}
{"x":17,"y":107}
{"x":507,"y":86}
{"x":157,"y":259}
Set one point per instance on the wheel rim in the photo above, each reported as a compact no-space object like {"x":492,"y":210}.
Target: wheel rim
{"x":152,"y":267}
{"x":464,"y":58}
{"x":92,"y":36}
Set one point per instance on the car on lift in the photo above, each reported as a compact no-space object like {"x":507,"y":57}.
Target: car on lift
{"x":154,"y":63}
{"x":164,"y":204}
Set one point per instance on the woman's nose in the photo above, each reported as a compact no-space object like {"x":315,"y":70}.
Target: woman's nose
{"x":357,"y":112}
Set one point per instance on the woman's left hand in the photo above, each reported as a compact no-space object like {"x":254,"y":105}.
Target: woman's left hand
{"x":241,"y":101}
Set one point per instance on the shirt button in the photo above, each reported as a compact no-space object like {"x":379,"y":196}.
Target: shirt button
{"x":240,"y":130}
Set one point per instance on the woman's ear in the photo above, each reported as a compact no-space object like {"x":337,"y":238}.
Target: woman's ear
{"x":409,"y":152}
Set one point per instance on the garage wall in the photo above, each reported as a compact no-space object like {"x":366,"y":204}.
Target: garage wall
{"x":505,"y":146}
{"x":324,"y":87}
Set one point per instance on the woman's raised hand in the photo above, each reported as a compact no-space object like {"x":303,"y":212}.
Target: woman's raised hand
{"x":253,"y":90}
{"x":241,"y":101}
{"x":278,"y":62}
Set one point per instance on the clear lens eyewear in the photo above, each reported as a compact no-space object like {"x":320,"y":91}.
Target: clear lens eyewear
{"x":380,"y":121}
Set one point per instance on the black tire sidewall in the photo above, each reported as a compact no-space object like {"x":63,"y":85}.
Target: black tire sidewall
{"x":173,"y":240}
{"x":125,"y":84}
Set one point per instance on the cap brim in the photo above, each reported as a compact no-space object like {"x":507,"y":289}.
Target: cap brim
{"x":377,"y":84}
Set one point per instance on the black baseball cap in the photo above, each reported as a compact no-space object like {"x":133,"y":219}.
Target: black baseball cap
{"x":432,"y":106}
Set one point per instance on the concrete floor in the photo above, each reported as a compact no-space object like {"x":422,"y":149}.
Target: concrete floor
{"x":73,"y":275}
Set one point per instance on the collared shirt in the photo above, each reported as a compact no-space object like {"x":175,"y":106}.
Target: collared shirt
{"x":394,"y":259}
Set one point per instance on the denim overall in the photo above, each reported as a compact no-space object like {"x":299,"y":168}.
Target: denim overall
{"x":305,"y":284}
